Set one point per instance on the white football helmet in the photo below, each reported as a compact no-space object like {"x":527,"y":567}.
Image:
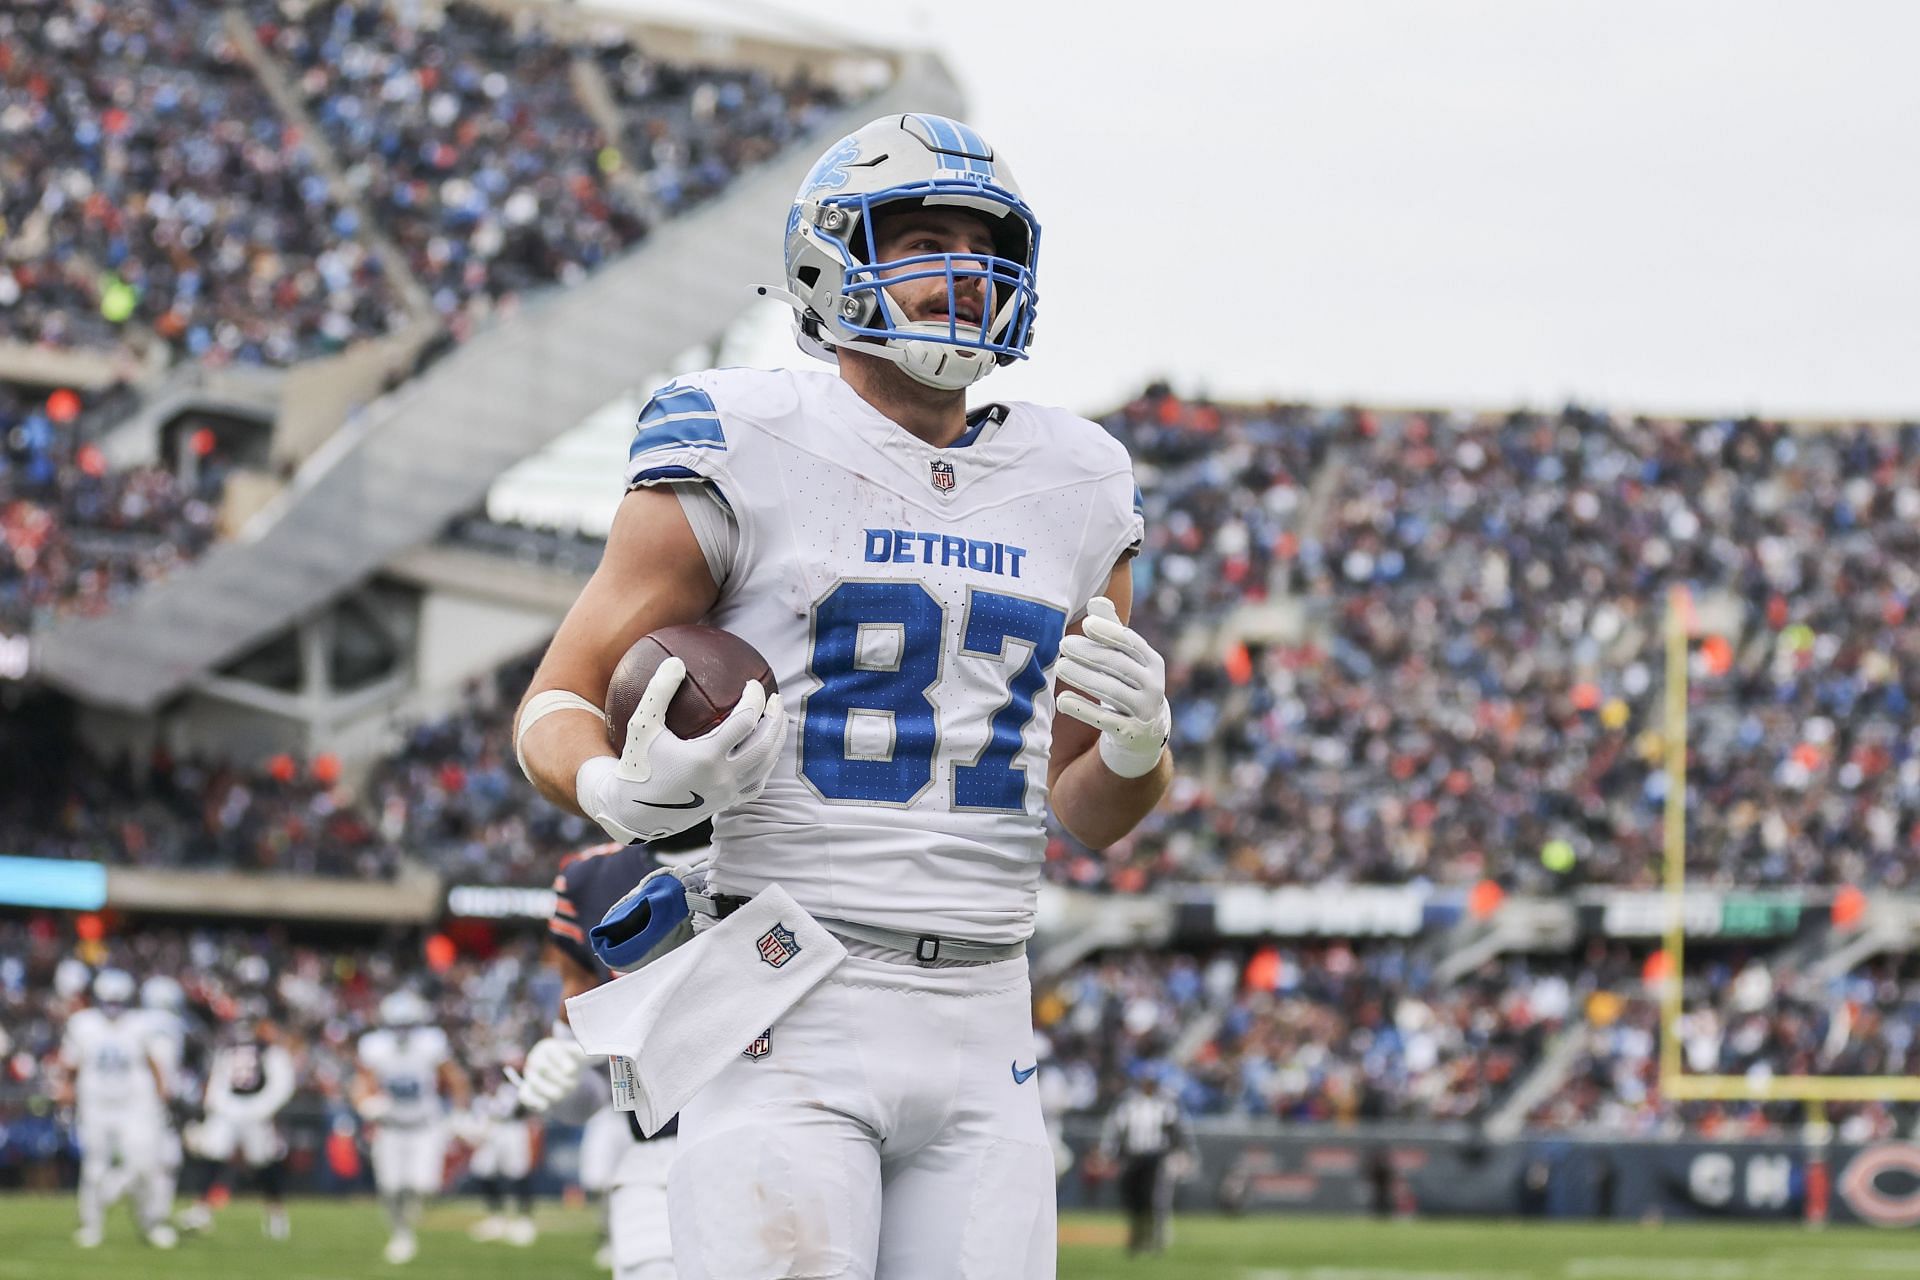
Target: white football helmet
{"x":405,"y":1008}
{"x":113,"y":989}
{"x":838,"y":291}
{"x":163,"y":994}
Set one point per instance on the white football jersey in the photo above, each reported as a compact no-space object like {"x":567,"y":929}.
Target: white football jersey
{"x":407,"y":1064}
{"x":112,"y":1060}
{"x":911,"y":602}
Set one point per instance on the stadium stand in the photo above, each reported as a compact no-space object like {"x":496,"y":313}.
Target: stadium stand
{"x":1470,"y":679}
{"x":79,"y":535}
{"x":152,"y":193}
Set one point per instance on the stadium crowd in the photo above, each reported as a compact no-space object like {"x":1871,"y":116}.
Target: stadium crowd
{"x":1328,"y":1033}
{"x":465,"y":132}
{"x":150,"y":191}
{"x":1744,"y":1016}
{"x":1474,"y":693}
{"x":77,"y":536}
{"x":1469,"y":688}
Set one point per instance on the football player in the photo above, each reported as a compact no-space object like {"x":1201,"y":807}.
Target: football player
{"x":929,"y":584}
{"x":119,"y":1097}
{"x":163,"y":1002}
{"x":614,"y":1153}
{"x":250,"y":1080}
{"x":406,"y":1070}
{"x":503,"y":1139}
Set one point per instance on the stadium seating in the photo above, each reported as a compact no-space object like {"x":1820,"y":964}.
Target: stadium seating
{"x":153,"y":194}
{"x":77,"y":535}
{"x":156,"y":192}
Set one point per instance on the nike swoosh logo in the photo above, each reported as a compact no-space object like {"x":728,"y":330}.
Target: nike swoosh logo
{"x":1021,"y":1077}
{"x":694,"y":803}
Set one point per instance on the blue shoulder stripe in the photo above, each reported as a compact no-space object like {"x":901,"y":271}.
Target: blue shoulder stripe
{"x":1139,"y":502}
{"x":678,"y":417}
{"x":672,"y":399}
{"x":696,"y":431}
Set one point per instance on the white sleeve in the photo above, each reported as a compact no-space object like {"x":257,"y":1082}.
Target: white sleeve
{"x":714,"y":527}
{"x":278,"y":1088}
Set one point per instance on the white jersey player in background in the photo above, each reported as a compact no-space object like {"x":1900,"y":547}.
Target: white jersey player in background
{"x":406,"y":1076}
{"x":250,"y":1079}
{"x":918,"y":577}
{"x":119,"y":1098}
{"x":502,"y":1138}
{"x":164,"y":1004}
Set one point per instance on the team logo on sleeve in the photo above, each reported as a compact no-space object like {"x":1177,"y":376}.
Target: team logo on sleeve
{"x":943,"y":478}
{"x":778,"y":945}
{"x":762,"y":1046}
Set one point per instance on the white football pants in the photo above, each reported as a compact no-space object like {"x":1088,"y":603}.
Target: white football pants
{"x":411,"y":1159}
{"x":886,"y":1134}
{"x":637,"y":1209}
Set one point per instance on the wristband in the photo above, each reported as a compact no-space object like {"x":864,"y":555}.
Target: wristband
{"x":1130,"y":762}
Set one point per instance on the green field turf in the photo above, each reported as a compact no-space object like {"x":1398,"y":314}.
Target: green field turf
{"x":340,"y":1240}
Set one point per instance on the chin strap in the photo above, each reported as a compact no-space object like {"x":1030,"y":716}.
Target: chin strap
{"x":932,"y":364}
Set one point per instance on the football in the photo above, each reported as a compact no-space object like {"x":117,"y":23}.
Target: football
{"x":719,"y":664}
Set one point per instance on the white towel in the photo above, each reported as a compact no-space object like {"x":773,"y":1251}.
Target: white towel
{"x":692,"y":1011}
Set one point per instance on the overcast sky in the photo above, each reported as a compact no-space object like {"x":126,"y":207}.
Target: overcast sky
{"x":1709,"y":204}
{"x":1694,"y":205}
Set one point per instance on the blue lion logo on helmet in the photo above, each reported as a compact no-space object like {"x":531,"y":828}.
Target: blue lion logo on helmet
{"x":829,"y":173}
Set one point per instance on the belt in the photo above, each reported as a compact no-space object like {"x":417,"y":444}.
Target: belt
{"x":925,"y":948}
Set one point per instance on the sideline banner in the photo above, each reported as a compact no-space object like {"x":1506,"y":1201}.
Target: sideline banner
{"x":1387,"y":1172}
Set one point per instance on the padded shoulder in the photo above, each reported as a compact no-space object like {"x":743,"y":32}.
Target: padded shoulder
{"x":688,"y":427}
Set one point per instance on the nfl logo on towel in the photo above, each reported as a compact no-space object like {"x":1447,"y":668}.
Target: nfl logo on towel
{"x":942,"y":475}
{"x":762,"y":1046}
{"x":778,"y":945}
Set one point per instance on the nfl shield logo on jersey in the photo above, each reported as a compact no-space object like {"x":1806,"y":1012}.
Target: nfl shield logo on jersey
{"x":778,"y":945}
{"x":942,"y":475}
{"x":762,"y":1046}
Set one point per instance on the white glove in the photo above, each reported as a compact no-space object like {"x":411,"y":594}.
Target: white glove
{"x":663,"y":783}
{"x":374,"y":1108}
{"x":552,"y":1070}
{"x":1112,"y":663}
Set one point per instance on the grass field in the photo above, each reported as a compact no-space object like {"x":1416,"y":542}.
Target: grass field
{"x":340,"y":1240}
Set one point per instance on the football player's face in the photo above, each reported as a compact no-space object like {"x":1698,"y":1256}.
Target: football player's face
{"x":915,"y":233}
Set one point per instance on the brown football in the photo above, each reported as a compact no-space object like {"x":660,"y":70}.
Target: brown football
{"x":719,"y":664}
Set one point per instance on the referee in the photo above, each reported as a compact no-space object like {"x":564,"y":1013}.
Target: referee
{"x":1144,"y":1129}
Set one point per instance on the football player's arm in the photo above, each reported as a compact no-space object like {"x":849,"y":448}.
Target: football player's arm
{"x":454,"y":1084}
{"x":66,"y":1088}
{"x":555,"y":1078}
{"x":368,"y":1099}
{"x":1096,"y":805}
{"x":651,"y":575}
{"x":162,"y":1077}
{"x":277,"y":1091}
{"x":219,"y":1095}
{"x":575,"y":978}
